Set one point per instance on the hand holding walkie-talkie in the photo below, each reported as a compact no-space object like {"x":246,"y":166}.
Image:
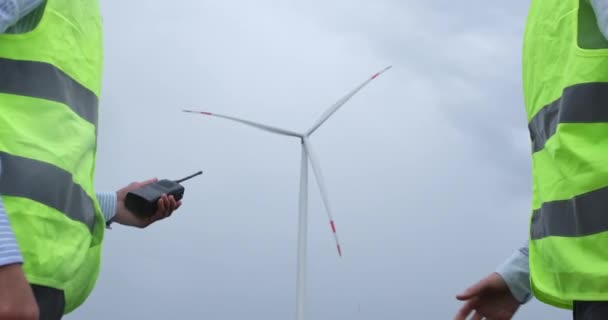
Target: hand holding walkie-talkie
{"x":143,"y":201}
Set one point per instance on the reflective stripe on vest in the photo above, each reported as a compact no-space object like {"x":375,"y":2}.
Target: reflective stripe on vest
{"x":580,"y":216}
{"x":53,"y":187}
{"x":581,"y":103}
{"x":584,"y":214}
{"x":45,"y":81}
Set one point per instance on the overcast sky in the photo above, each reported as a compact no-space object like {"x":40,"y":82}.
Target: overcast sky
{"x":427,"y":168}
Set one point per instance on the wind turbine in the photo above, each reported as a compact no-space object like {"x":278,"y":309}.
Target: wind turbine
{"x":308,"y":154}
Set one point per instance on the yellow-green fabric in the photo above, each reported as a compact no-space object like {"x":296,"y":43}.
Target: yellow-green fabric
{"x":38,"y":123}
{"x":565,"y":100}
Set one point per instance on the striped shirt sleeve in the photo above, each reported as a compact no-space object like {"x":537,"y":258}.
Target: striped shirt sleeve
{"x":9,"y":251}
{"x":600,"y":7}
{"x":13,"y":12}
{"x":107,"y":202}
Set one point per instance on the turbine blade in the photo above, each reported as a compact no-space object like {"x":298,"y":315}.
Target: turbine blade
{"x":250,"y":123}
{"x":316,"y":168}
{"x":341,"y":102}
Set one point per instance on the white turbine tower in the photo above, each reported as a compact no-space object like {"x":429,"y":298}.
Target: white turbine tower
{"x":307,"y":154}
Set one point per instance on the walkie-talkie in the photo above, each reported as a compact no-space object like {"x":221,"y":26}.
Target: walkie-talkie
{"x":143,"y":201}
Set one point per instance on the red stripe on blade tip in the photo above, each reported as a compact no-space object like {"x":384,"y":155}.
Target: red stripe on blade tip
{"x":333,"y":227}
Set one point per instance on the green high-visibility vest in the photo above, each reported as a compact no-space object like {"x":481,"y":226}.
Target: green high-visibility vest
{"x":565,"y":76}
{"x":50,"y":82}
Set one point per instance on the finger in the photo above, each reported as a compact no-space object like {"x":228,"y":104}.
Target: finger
{"x":473,"y":290}
{"x":466,"y":310}
{"x":173,"y":204}
{"x":477,"y":316}
{"x":162,"y":206}
{"x":168,"y":206}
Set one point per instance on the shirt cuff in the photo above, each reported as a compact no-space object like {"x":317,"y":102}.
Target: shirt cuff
{"x":107,"y":202}
{"x":516,"y":273}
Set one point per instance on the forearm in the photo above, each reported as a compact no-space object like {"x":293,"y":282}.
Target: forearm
{"x":516,"y":273}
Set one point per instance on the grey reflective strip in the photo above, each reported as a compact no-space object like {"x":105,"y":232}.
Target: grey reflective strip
{"x":581,"y":103}
{"x":583,"y":215}
{"x":45,"y":81}
{"x":47,"y":184}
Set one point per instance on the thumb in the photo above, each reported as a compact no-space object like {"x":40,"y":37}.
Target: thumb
{"x":141,"y":184}
{"x":473,"y":291}
{"x":149,"y":181}
{"x":136,"y":185}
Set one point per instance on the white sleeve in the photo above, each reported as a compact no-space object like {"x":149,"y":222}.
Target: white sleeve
{"x":13,"y":10}
{"x":600,"y":7}
{"x":516,"y":272}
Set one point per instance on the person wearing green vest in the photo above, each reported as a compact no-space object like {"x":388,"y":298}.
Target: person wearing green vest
{"x":52,"y":221}
{"x":565,"y":79}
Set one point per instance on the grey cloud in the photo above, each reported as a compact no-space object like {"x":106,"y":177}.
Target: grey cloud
{"x":427,"y":168}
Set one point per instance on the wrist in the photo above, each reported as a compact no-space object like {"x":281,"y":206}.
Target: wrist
{"x":108,"y":201}
{"x":514,"y":271}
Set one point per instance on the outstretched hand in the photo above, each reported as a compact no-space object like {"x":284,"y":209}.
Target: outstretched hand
{"x":490,"y":298}
{"x":165,"y":207}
